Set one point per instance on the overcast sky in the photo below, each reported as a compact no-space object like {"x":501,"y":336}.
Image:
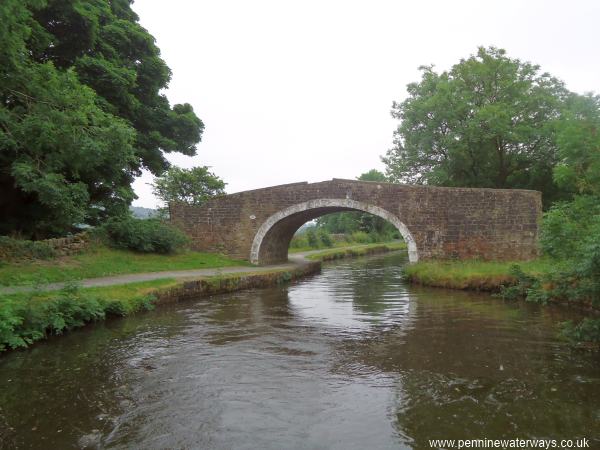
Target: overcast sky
{"x":301,"y":91}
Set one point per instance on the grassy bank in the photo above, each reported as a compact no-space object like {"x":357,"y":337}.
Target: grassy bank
{"x":28,"y":317}
{"x":472,"y":274}
{"x":101,"y":261}
{"x":299,"y":244}
{"x":308,"y":248}
{"x":355,"y":251}
{"x":540,"y":281}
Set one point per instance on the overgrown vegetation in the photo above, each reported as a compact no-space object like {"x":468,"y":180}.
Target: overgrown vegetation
{"x":588,"y":330}
{"x":21,"y":249}
{"x":315,"y":238}
{"x":31,"y":316}
{"x":26,"y":318}
{"x":142,"y":235}
{"x":571,"y":237}
{"x":571,"y":229}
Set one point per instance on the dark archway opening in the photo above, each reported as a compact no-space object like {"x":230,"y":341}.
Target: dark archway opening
{"x":273,"y":238}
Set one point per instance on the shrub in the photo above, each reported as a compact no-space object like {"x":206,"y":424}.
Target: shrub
{"x":324,"y":237}
{"x":22,"y":249}
{"x":24,"y":321}
{"x":361,"y":237}
{"x":523,"y":286}
{"x":569,"y":227}
{"x":299,"y":242}
{"x":311,"y":238}
{"x":571,"y":235}
{"x":588,"y":330}
{"x":144,"y":235}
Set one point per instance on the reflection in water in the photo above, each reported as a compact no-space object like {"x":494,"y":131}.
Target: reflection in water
{"x":351,"y":358}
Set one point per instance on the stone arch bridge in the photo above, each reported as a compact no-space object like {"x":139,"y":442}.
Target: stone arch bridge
{"x":436,"y":222}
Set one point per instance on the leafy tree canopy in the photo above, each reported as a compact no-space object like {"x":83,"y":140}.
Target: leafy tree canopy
{"x":192,"y":186}
{"x":373,"y":175}
{"x":81,"y":113}
{"x":488,"y":122}
{"x":578,"y":137}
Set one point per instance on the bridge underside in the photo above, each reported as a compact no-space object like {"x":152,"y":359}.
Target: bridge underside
{"x":276,"y":242}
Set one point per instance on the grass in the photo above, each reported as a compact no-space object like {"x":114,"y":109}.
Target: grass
{"x":336,"y":244}
{"x":126,"y":292}
{"x":27,"y":317}
{"x":306,"y":248}
{"x":472,"y":274}
{"x":101,"y":261}
{"x":355,"y":250}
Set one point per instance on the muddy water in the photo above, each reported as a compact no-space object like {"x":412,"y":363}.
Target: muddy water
{"x":352,"y":358}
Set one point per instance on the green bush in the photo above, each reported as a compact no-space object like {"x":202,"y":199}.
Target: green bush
{"x":24,"y":321}
{"x":569,"y":227}
{"x":361,"y":237}
{"x":524,"y":286}
{"x":588,"y":330}
{"x":571,"y":235}
{"x":143,"y":235}
{"x":312,"y":238}
{"x":23,"y":249}
{"x":324,"y":237}
{"x":299,"y":242}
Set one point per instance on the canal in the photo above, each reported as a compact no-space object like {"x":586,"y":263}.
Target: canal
{"x":352,"y":358}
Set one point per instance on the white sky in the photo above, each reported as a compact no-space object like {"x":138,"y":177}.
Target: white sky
{"x":301,"y":91}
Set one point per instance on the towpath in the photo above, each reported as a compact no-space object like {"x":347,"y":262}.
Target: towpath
{"x":295,"y":260}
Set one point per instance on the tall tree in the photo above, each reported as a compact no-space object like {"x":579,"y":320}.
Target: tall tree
{"x":488,"y":122}
{"x":113,"y":54}
{"x":81,"y":113}
{"x":578,"y":170}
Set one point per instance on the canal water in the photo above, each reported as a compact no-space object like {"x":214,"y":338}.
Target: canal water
{"x":352,"y":358}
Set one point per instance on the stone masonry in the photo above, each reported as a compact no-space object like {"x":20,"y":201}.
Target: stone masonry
{"x":436,"y":222}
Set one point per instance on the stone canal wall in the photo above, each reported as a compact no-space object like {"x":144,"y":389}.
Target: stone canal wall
{"x":194,"y":289}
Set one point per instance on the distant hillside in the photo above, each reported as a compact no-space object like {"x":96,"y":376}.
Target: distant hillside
{"x":142,"y":213}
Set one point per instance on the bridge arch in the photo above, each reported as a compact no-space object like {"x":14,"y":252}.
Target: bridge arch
{"x":272,"y":239}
